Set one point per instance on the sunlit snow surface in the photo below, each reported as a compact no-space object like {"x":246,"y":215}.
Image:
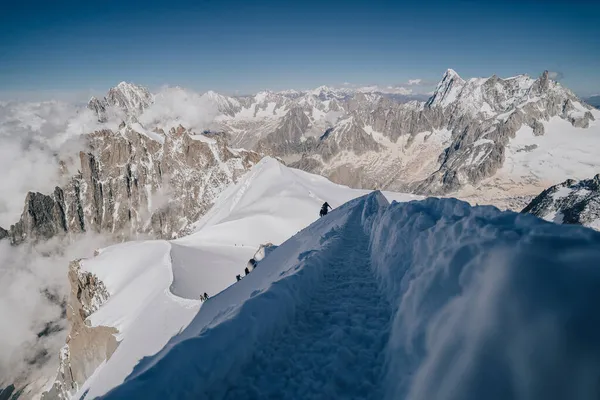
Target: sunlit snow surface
{"x":430,"y":299}
{"x":155,"y":286}
{"x":562,"y":152}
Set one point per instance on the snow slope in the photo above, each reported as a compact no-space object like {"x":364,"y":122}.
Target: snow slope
{"x":564,"y":151}
{"x":155,"y":286}
{"x":423,"y":300}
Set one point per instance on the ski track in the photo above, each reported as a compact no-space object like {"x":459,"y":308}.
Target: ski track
{"x":334,"y":338}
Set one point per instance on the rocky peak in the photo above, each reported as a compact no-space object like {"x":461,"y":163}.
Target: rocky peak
{"x":129,"y":98}
{"x":447,"y":90}
{"x":87,"y":346}
{"x":569,"y":202}
{"x":131,"y":183}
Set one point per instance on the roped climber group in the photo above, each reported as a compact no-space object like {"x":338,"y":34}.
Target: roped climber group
{"x":251,"y":265}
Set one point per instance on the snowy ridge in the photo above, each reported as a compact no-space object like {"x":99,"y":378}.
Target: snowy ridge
{"x":162,"y":281}
{"x":485,"y":292}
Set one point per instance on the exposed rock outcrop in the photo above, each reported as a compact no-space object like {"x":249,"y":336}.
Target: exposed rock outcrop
{"x":132,"y":183}
{"x":339,"y":133}
{"x":569,"y":202}
{"x":87,"y":346}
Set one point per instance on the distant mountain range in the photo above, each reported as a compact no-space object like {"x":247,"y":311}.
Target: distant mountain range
{"x":469,"y":134}
{"x":487,"y":140}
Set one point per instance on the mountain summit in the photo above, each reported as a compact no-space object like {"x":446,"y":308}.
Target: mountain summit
{"x":126,"y":97}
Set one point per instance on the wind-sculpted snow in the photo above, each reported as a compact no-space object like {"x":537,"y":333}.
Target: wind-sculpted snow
{"x":469,"y":302}
{"x":155,"y":286}
{"x":489,"y":305}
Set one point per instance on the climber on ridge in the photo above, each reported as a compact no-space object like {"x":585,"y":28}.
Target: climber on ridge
{"x":323,"y":211}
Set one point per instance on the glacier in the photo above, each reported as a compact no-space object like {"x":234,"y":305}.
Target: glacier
{"x":422,"y":299}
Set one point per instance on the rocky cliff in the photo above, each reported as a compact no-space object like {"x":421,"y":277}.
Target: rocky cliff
{"x":570,"y":202}
{"x":457,"y":138}
{"x":87,"y":346}
{"x":134,"y":182}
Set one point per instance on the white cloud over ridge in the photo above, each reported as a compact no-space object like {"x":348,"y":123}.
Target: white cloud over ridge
{"x":555,"y":75}
{"x":33,"y":292}
{"x":33,"y":136}
{"x":175,"y":106}
{"x":33,"y":279}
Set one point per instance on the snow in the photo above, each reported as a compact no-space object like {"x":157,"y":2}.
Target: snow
{"x":562,"y":152}
{"x":562,"y":192}
{"x":154,"y":286}
{"x":136,"y":126}
{"x":137,"y":276}
{"x":482,"y":141}
{"x":431,"y":299}
{"x":203,"y":138}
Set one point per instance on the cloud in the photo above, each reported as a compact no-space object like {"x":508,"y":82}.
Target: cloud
{"x":33,"y":137}
{"x":555,"y":75}
{"x":174,"y":106}
{"x":398,"y":90}
{"x":414,"y":82}
{"x":33,"y":295}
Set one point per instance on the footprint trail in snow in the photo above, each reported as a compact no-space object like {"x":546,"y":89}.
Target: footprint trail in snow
{"x":334,"y":348}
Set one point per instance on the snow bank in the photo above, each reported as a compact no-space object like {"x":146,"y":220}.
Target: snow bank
{"x":488,"y":304}
{"x":483,"y":304}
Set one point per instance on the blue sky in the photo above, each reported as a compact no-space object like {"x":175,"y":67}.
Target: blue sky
{"x":80,"y":47}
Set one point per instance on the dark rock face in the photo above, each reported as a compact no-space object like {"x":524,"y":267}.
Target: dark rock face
{"x":8,"y":393}
{"x":3,"y":233}
{"x":43,"y":217}
{"x":569,"y":202}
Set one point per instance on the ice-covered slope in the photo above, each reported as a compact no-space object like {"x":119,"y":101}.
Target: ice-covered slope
{"x":422,"y":300}
{"x":154,"y":286}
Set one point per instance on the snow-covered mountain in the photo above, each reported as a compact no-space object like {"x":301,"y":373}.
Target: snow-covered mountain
{"x":487,"y":140}
{"x":127,"y":97}
{"x":569,"y":202}
{"x":375,"y":300}
{"x":483,"y":139}
{"x":270,"y":204}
